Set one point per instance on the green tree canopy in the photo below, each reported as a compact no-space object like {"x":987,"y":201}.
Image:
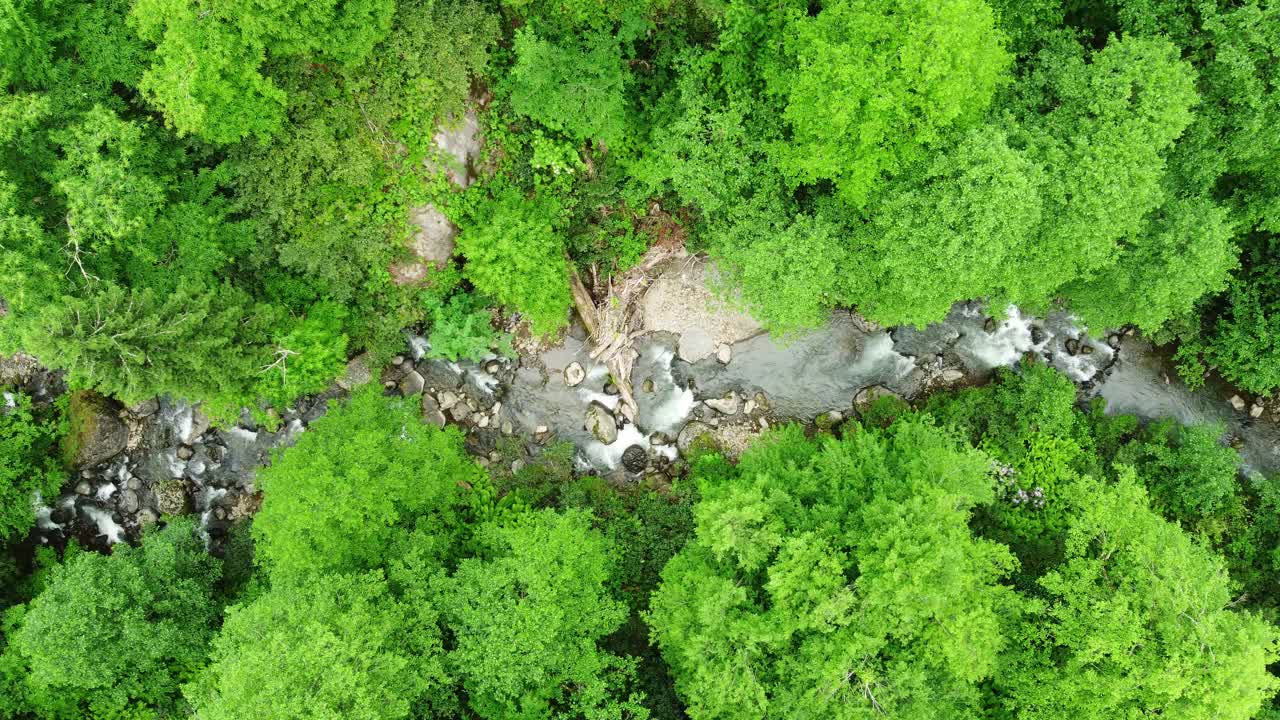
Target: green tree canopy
{"x":326,"y":647}
{"x":875,"y":82}
{"x":111,"y":632}
{"x":528,"y":613}
{"x":357,"y":480}
{"x":1137,"y":621}
{"x":837,"y":579}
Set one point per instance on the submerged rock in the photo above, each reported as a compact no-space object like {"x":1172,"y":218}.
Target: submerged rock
{"x":727,"y":405}
{"x":411,"y":384}
{"x":574,"y":374}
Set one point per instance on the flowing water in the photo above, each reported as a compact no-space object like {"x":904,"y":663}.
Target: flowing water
{"x":799,"y":379}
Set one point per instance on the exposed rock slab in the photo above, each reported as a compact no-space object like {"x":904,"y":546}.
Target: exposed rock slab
{"x":680,"y":301}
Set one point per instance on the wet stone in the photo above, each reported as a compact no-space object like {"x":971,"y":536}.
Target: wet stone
{"x":574,"y":374}
{"x":1073,"y":346}
{"x":1238,"y":403}
{"x":727,"y":405}
{"x":634,"y":459}
{"x":601,"y":424}
{"x":952,"y":376}
{"x":185,"y":452}
{"x":411,"y":384}
{"x":460,"y":412}
{"x":1255,"y":411}
{"x":129,"y":501}
{"x":83,"y":488}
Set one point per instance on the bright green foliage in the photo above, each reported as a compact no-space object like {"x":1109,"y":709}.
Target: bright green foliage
{"x":948,"y":232}
{"x":875,"y":82}
{"x":515,"y":254}
{"x":207,"y":77}
{"x":356,"y":480}
{"x":308,"y":357}
{"x":1185,"y":252}
{"x":527,"y":615}
{"x":575,"y":89}
{"x":333,"y":647}
{"x":1136,"y":623}
{"x":463,"y":328}
{"x":837,"y":579}
{"x":790,"y":275}
{"x":111,"y":632}
{"x":1113,"y":119}
{"x":29,"y":465}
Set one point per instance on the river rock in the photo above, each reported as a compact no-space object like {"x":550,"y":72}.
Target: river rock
{"x":460,"y":412}
{"x":185,"y":452}
{"x":97,"y":434}
{"x":129,"y":501}
{"x":989,"y":325}
{"x":83,"y":487}
{"x":574,"y":374}
{"x":448,"y":400}
{"x":147,"y":517}
{"x":829,"y":420}
{"x":1238,"y":403}
{"x":357,"y":373}
{"x":659,"y":439}
{"x":692,"y":433}
{"x":1256,"y":410}
{"x":952,"y":376}
{"x":459,"y":142}
{"x":724,"y":354}
{"x":171,"y":496}
{"x":432,"y":245}
{"x":866,"y":397}
{"x":411,"y":384}
{"x":727,"y":405}
{"x":431,"y":411}
{"x":1073,"y":346}
{"x":634,"y":459}
{"x":680,"y":301}
{"x":146,"y":408}
{"x":601,"y":424}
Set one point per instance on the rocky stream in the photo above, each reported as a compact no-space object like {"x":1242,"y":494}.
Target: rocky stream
{"x":699,"y":370}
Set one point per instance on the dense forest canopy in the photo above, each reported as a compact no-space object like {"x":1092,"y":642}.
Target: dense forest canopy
{"x":225,"y":202}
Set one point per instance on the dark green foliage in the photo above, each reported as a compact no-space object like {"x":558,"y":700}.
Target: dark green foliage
{"x":110,"y":632}
{"x":30,"y":465}
{"x":1188,"y":471}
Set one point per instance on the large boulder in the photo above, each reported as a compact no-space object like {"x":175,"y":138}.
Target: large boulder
{"x":680,"y":301}
{"x":459,"y":142}
{"x":97,"y":434}
{"x":432,"y":245}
